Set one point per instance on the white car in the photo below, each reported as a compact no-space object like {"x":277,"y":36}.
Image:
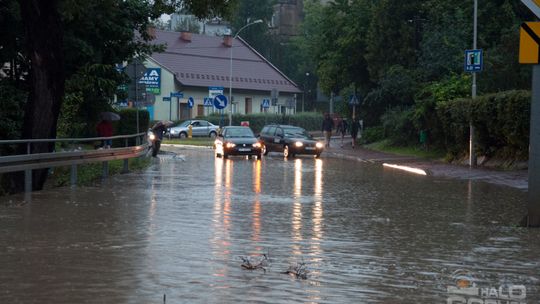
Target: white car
{"x":199,"y":128}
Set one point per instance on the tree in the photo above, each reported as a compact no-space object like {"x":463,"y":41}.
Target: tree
{"x":64,"y":37}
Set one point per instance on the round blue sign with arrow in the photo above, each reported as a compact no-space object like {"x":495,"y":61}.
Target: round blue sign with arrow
{"x":220,"y":102}
{"x":190,"y":102}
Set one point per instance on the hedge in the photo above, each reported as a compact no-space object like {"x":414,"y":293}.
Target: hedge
{"x":309,"y":121}
{"x":501,"y":121}
{"x":127,"y":125}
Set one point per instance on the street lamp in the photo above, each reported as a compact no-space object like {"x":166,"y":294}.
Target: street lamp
{"x":304,"y":93}
{"x":230,"y":66}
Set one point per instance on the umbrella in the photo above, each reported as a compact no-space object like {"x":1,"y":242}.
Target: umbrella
{"x":165,"y":123}
{"x":109,"y":116}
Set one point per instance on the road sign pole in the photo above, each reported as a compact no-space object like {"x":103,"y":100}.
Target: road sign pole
{"x":472,"y":144}
{"x":533,"y":208}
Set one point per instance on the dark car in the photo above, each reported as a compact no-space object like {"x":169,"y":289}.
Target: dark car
{"x":290,"y":140}
{"x":237,"y":141}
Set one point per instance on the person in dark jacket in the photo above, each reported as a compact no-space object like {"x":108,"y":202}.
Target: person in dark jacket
{"x":342,"y":129}
{"x":327,"y":126}
{"x":355,"y":126}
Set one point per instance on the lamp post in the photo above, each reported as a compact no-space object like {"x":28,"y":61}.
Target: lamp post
{"x":230,"y":66}
{"x":472,"y":139}
{"x":304,"y":93}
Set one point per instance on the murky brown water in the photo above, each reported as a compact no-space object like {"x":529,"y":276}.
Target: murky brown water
{"x":366,"y":235}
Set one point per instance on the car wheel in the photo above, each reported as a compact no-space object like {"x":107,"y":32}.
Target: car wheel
{"x":249,"y":156}
{"x":213,"y":135}
{"x":286,"y":152}
{"x":225,"y":155}
{"x":317,"y":155}
{"x":263,"y":150}
{"x":218,"y":155}
{"x":182,"y":135}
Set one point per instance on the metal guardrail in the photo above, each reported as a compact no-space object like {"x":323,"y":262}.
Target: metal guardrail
{"x":28,"y":162}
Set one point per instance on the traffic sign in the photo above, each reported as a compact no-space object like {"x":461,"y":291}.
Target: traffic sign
{"x":220,"y":102}
{"x":353,"y":100}
{"x":473,"y":61}
{"x":190,"y":102}
{"x":165,"y":98}
{"x":533,"y":5}
{"x":208,"y":102}
{"x":266,"y":103}
{"x":529,"y":43}
{"x":177,"y":94}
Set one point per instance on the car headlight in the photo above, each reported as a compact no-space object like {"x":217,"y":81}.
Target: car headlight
{"x":319,"y":145}
{"x":298,"y":144}
{"x":257,"y":145}
{"x":230,"y":145}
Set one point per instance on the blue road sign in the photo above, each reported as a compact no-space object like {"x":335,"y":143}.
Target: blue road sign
{"x":177,"y":94}
{"x":266,"y":103}
{"x":474,"y":61}
{"x":208,"y":102}
{"x":353,"y":100}
{"x":165,"y":98}
{"x":190,"y":102}
{"x":220,"y":102}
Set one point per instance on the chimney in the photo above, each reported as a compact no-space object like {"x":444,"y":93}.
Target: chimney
{"x":227,"y":40}
{"x":185,"y":36}
{"x":151,"y":30}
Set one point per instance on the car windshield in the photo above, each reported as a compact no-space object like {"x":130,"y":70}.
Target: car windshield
{"x":239,"y":132}
{"x":296,"y":133}
{"x":184,"y":124}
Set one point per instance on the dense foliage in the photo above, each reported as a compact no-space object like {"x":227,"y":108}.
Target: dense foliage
{"x":405,"y":60}
{"x":308,"y":121}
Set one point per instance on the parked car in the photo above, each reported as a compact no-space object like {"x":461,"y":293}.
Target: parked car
{"x":199,"y":128}
{"x":237,"y":141}
{"x":290,"y":140}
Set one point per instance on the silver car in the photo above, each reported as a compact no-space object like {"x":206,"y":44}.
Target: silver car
{"x":199,"y":128}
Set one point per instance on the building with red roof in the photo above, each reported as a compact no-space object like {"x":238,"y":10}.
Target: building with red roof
{"x":199,"y":67}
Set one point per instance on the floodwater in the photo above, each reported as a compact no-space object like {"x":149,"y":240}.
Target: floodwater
{"x":175,"y":233}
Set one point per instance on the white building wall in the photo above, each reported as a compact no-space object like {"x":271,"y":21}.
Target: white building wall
{"x":164,"y":110}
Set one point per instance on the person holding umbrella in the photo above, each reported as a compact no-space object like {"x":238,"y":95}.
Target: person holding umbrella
{"x":105,"y":129}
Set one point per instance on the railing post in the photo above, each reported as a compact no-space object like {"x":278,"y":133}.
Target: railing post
{"x":126,"y":161}
{"x":28,"y":174}
{"x":105,"y":170}
{"x":73,"y":175}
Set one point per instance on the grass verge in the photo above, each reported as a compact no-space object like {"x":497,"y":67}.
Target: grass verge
{"x":417,"y":151}
{"x":204,"y":142}
{"x":89,"y":173}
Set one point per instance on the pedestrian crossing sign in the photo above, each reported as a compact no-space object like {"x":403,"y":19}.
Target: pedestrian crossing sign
{"x":208,"y":102}
{"x":266,"y":103}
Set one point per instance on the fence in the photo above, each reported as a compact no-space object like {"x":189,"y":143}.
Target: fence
{"x":28,"y":162}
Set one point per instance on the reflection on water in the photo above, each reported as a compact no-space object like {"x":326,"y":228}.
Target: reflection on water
{"x":367,"y":235}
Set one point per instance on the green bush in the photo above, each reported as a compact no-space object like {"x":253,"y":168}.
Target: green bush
{"x":501,"y":121}
{"x":373,"y":134}
{"x":307,"y":120}
{"x":399,"y":127}
{"x":127,"y":125}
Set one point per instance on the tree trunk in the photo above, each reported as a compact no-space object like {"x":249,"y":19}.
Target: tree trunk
{"x":44,"y":41}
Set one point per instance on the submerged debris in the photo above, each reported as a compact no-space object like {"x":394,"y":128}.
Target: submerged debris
{"x":299,"y":271}
{"x":248,"y":264}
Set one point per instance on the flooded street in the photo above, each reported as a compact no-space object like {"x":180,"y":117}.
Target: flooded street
{"x":366,"y":235}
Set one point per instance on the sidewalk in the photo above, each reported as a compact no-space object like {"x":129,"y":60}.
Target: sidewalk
{"x":516,"y":179}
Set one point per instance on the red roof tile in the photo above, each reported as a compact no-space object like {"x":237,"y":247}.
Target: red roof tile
{"x":205,"y":62}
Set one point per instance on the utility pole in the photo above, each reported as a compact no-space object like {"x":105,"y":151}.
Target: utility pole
{"x":331,"y":102}
{"x":472,"y":143}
